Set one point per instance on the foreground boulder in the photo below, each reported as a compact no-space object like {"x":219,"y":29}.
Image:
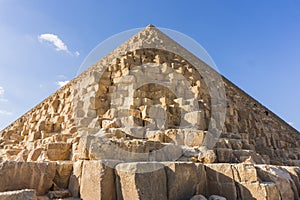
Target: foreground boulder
{"x":27,"y":175}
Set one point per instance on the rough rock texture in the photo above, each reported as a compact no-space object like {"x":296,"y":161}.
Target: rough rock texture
{"x":27,"y":175}
{"x":98,"y":180}
{"x":133,"y":106}
{"x":19,"y":194}
{"x":141,"y":181}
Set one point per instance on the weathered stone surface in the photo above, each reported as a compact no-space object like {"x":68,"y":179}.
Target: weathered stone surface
{"x":206,"y":155}
{"x":98,"y":180}
{"x":27,"y":175}
{"x":216,"y":197}
{"x":75,"y":178}
{"x":18,"y":195}
{"x":199,"y":197}
{"x":59,"y":151}
{"x":280,"y":177}
{"x":183,"y":179}
{"x":61,"y":194}
{"x":220,"y":180}
{"x":63,"y":173}
{"x":141,"y":181}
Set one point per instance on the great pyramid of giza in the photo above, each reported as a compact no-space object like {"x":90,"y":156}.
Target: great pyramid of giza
{"x":149,"y":121}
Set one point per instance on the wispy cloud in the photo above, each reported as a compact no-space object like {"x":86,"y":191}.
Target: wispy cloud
{"x":4,"y":112}
{"x":1,"y":91}
{"x":61,"y":83}
{"x":2,"y":99}
{"x":56,"y":42}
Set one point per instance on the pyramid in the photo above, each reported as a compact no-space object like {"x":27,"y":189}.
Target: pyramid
{"x":150,"y":121}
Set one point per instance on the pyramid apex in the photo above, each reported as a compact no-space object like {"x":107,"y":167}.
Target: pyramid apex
{"x":150,"y":26}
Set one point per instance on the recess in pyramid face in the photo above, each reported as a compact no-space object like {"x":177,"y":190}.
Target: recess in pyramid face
{"x":154,"y":89}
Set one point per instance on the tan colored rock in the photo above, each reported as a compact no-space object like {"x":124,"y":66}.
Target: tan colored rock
{"x":206,"y":155}
{"x":280,"y":177}
{"x":141,"y":181}
{"x":58,"y":151}
{"x":295,"y":175}
{"x":63,"y":173}
{"x":184,"y":178}
{"x":98,"y":180}
{"x":220,"y":180}
{"x":34,"y":154}
{"x":18,"y":195}
{"x":193,"y":137}
{"x":27,"y":175}
{"x":75,"y":178}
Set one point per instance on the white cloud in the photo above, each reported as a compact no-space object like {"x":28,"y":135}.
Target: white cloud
{"x":3,"y":112}
{"x":57,"y":42}
{"x":1,"y":91}
{"x":77,"y":53}
{"x":2,"y":94}
{"x":61,"y":83}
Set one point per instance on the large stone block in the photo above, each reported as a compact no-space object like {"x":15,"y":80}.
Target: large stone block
{"x":63,"y":173}
{"x":27,"y":175}
{"x":220,"y":180}
{"x":98,"y":180}
{"x":280,"y":177}
{"x":59,"y":151}
{"x":75,"y":178}
{"x":184,"y":179}
{"x":141,"y":181}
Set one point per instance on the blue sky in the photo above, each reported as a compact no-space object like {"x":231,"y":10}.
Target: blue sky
{"x":255,"y":44}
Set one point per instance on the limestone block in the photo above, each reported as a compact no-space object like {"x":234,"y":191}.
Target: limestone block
{"x":141,"y":181}
{"x":98,"y":180}
{"x":295,"y":175}
{"x":244,"y":173}
{"x":175,"y":136}
{"x":259,"y":191}
{"x":34,"y":136}
{"x":280,"y":177}
{"x":34,"y":154}
{"x":130,"y":121}
{"x":183,"y":179}
{"x":18,"y":194}
{"x":75,"y":178}
{"x":63,"y":172}
{"x":193,"y":137}
{"x":220,"y":180}
{"x":59,"y":151}
{"x":206,"y":155}
{"x":30,"y":175}
{"x":168,"y":152}
{"x":224,"y":155}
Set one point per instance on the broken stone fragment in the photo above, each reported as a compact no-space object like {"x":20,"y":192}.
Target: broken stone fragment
{"x":206,"y":155}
